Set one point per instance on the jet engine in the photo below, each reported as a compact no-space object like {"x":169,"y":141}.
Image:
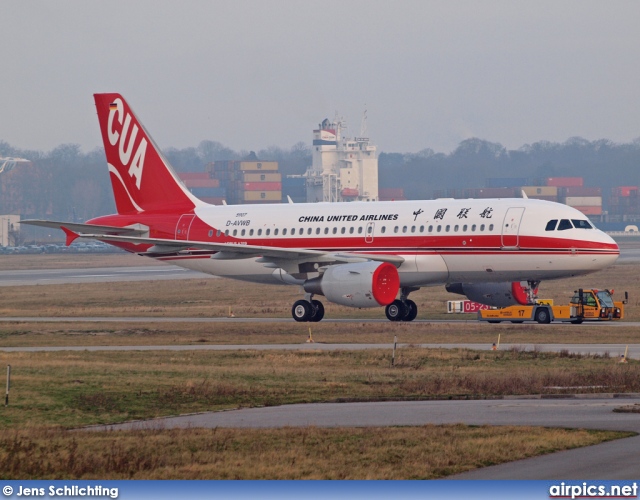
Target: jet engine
{"x":494,"y":294}
{"x":362,"y":284}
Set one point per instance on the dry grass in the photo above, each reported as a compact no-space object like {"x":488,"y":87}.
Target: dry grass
{"x":427,"y":452}
{"x":73,"y":389}
{"x":209,"y":297}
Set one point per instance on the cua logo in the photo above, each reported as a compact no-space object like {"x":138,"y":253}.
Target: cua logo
{"x":126,"y":144}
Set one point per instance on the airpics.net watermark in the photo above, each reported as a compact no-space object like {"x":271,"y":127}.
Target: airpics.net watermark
{"x":61,"y":491}
{"x":586,"y":490}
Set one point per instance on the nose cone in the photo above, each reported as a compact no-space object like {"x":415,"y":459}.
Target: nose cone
{"x":608,"y":249}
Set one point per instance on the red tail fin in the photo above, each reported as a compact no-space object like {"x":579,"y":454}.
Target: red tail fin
{"x":142,"y":179}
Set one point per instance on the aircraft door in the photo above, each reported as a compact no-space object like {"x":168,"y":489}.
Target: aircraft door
{"x":183,"y":226}
{"x":511,"y":227}
{"x":368,"y":234}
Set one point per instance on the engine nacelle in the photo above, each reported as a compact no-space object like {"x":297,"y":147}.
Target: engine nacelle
{"x":363,"y":284}
{"x":493,"y":294}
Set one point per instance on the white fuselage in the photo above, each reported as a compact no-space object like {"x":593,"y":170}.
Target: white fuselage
{"x":442,"y":241}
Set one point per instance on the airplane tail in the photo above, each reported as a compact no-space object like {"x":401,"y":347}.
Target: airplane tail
{"x":142,"y":179}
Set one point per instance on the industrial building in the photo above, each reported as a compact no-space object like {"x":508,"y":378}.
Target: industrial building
{"x":342,"y":169}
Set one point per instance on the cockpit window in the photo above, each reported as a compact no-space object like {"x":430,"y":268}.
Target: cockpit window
{"x":551,"y":225}
{"x":581,"y":224}
{"x":564,"y":224}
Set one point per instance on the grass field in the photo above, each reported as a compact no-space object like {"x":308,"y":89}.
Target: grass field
{"x":52,"y":392}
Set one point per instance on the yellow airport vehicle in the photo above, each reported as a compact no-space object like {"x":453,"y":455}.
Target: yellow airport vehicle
{"x":585,"y":305}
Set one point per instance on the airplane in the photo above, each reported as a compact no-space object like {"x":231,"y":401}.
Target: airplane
{"x":358,"y":254}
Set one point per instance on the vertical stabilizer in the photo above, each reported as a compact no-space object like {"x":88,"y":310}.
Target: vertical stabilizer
{"x":142,"y":179}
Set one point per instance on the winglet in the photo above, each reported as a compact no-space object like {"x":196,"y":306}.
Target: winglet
{"x":71,"y":236}
{"x":289,"y":199}
{"x":524,"y":195}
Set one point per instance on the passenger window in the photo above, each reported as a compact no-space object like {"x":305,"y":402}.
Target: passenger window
{"x":326,"y":230}
{"x":317,"y":230}
{"x":301,"y":231}
{"x":259,"y":232}
{"x":431,"y":229}
{"x":235,"y":232}
{"x":384,"y":229}
{"x":275,"y":232}
{"x":267,"y":232}
{"x":309,"y":231}
{"x":473,"y":227}
{"x":210,"y":233}
{"x":360,"y":230}
{"x":464,"y":228}
{"x":490,"y":227}
{"x":447,"y":228}
{"x":250,"y":232}
{"x":351,"y":229}
{"x":551,"y":225}
{"x":218,"y":233}
{"x":335,"y":230}
{"x":242,"y":232}
{"x":439,"y":228}
{"x":413,"y":229}
{"x":581,"y":224}
{"x":422,"y":229}
{"x":284,"y":232}
{"x":455,"y":228}
{"x":564,"y":225}
{"x":481,"y":227}
{"x":226,"y":233}
{"x":395,"y":229}
{"x":404,"y":229}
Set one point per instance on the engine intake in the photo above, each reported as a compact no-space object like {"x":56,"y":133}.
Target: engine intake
{"x":363,"y":284}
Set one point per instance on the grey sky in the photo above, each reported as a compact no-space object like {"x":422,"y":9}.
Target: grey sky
{"x":251,"y":74}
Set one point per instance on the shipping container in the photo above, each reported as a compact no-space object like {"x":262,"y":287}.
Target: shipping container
{"x":257,"y":165}
{"x":215,"y":201}
{"x":595,"y":210}
{"x":189,"y":176}
{"x":202,"y":183}
{"x":261,"y":186}
{"x":390,"y":193}
{"x":625,"y":191}
{"x":580,"y":191}
{"x":259,"y":177}
{"x":565,"y":181}
{"x":203,"y":192}
{"x":496,"y":192}
{"x":505,"y":182}
{"x":536,"y":191}
{"x":260,"y":196}
{"x":583,"y":201}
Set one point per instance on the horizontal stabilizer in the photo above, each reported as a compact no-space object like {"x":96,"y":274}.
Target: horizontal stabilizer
{"x":82,"y":228}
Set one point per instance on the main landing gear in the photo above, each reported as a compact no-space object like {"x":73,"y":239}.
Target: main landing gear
{"x":402,"y":309}
{"x":307,"y":309}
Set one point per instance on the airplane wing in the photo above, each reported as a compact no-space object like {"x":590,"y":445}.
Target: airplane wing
{"x":267,"y":254}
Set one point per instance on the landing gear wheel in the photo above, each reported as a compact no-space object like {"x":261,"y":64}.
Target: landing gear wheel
{"x":412,"y":310}
{"x":396,"y":311}
{"x":318,"y":311}
{"x":543,"y":316}
{"x":577,"y":321}
{"x":302,"y":311}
